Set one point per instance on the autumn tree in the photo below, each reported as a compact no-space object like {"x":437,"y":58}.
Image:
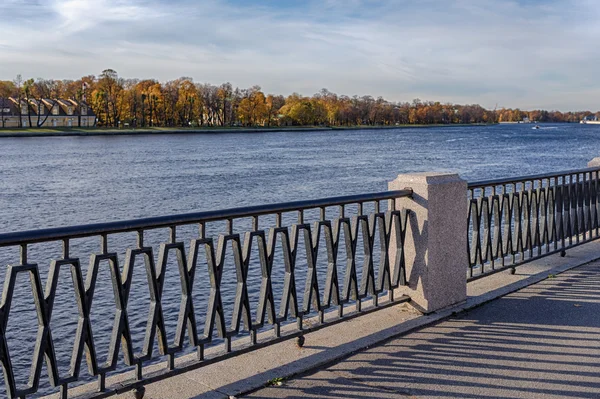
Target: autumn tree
{"x":186,"y":101}
{"x":273,"y":104}
{"x":304,"y":111}
{"x":211,"y":104}
{"x":107,"y":95}
{"x":27,"y":94}
{"x":44,"y":91}
{"x":253,"y":107}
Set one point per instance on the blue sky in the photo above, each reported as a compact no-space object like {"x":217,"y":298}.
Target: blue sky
{"x":526,"y":54}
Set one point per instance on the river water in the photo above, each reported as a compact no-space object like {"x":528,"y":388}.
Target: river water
{"x":61,"y":181}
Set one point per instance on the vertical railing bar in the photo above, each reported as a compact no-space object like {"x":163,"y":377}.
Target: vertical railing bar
{"x":590,"y":205}
{"x":513,"y":224}
{"x":65,"y":247}
{"x":551,"y":209}
{"x":493,"y":236}
{"x":529,"y":206}
{"x":202,"y":230}
{"x":140,"y":238}
{"x":502,"y":229}
{"x":545,"y":240}
{"x":591,"y":191}
{"x":104,"y":243}
{"x":536,"y":225}
{"x":541,"y":199}
{"x":580,"y":207}
{"x":574,"y":236}
{"x":470,"y":231}
{"x":560,"y":206}
{"x":579,"y":197}
{"x":64,"y":391}
{"x":576,"y":209}
{"x":566,"y":210}
{"x":553,"y":233}
{"x":585,"y":207}
{"x":23,"y":254}
{"x":173,"y":234}
{"x":101,"y":382}
{"x":554,"y":230}
{"x":596,"y":204}
{"x":520,"y":244}
{"x":588,"y":197}
{"x":138,"y":371}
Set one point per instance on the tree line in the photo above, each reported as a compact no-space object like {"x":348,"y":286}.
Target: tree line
{"x":182,"y":103}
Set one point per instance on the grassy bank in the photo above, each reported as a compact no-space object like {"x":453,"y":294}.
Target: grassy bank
{"x":39,"y":132}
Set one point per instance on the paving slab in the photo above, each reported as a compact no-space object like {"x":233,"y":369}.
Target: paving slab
{"x":542,"y":341}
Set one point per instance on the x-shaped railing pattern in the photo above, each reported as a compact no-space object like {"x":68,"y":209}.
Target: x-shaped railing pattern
{"x":518,"y":220}
{"x":378,"y":231}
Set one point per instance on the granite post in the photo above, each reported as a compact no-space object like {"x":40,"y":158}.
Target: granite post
{"x":436,"y":239}
{"x":594,"y":163}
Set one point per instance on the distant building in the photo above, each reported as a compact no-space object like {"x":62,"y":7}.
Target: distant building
{"x":9,"y":113}
{"x":47,"y":112}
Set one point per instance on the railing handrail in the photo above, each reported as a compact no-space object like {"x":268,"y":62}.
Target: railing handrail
{"x":79,"y":231}
{"x":519,"y":179}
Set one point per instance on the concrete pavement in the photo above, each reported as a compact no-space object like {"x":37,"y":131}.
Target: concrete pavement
{"x":542,"y":341}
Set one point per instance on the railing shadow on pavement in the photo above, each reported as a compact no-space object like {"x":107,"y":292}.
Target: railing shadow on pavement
{"x":542,"y":341}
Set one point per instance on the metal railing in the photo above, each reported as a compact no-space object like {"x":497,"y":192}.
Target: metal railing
{"x":516,"y":220}
{"x":261,"y":285}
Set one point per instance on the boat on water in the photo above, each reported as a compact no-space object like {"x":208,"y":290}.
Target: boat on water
{"x":590,"y":120}
{"x":536,"y":127}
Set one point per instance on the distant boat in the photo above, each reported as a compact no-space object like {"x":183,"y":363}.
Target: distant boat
{"x":536,"y":127}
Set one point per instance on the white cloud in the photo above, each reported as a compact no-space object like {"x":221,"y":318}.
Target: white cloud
{"x":533,"y":54}
{"x":79,"y":15}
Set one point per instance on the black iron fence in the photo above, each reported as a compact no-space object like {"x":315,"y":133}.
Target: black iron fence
{"x":236,"y":280}
{"x":254,"y":275}
{"x":516,"y":220}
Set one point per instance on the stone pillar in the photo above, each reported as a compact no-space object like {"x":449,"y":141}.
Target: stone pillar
{"x":594,"y":163}
{"x":436,"y":239}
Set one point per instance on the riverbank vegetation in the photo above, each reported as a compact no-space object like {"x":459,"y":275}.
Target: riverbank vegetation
{"x":119,"y":102}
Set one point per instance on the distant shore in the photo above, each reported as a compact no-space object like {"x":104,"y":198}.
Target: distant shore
{"x":55,"y":132}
